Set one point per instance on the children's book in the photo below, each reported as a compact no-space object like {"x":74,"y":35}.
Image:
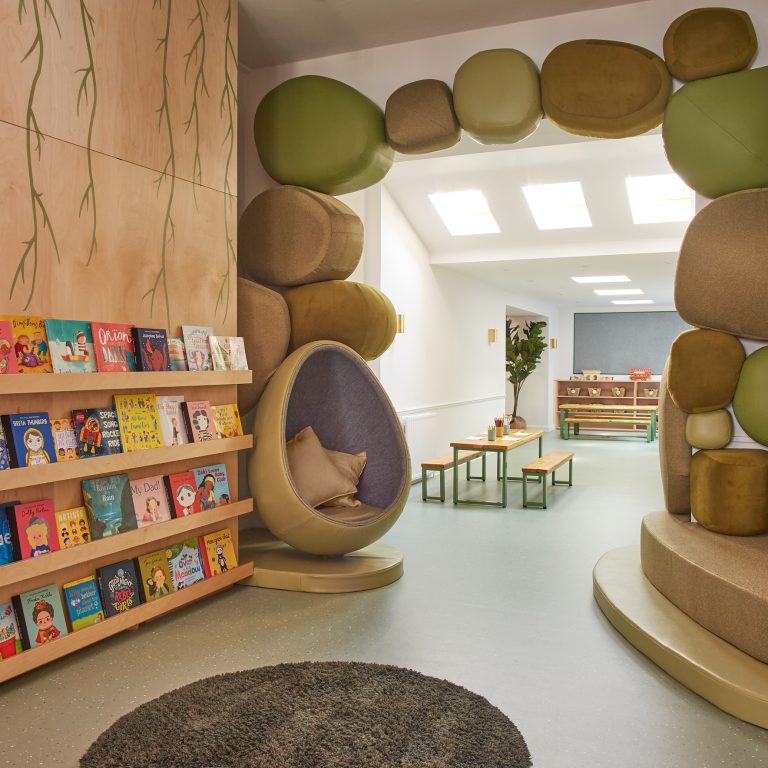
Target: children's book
{"x":33,"y":529}
{"x":72,"y":527}
{"x":227,"y":420}
{"x":218,"y":552}
{"x":172,"y":425}
{"x":182,"y":494}
{"x":228,"y":353}
{"x":113,"y":346}
{"x":212,"y":486}
{"x":30,"y":343}
{"x":119,"y":587}
{"x":64,"y":439}
{"x":177,"y":356}
{"x":155,"y":575}
{"x":7,"y":549}
{"x":41,"y":616}
{"x":150,"y":503}
{"x":83,"y":602}
{"x":151,"y":347}
{"x":197,"y":347}
{"x":198,"y":418}
{"x":10,"y":634}
{"x":139,"y":421}
{"x":5,"y":457}
{"x":8,"y":363}
{"x":30,"y":439}
{"x":71,"y":346}
{"x":97,"y":432}
{"x":109,"y":505}
{"x":185,"y":564}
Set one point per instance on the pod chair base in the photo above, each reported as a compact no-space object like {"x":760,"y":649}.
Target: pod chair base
{"x":279,"y":566}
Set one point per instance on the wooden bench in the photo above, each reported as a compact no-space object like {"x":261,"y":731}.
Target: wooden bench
{"x":541,"y":467}
{"x":643,"y":421}
{"x":440,"y":464}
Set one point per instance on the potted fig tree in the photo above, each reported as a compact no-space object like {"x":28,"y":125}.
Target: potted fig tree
{"x":525,"y":346}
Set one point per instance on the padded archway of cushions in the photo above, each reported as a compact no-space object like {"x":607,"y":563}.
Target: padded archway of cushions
{"x":329,"y":387}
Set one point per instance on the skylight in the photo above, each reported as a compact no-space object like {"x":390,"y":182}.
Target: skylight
{"x":659,"y":199}
{"x":618,"y":291}
{"x":558,"y":206}
{"x":601,"y":279}
{"x":465,"y":213}
{"x":632,"y":301}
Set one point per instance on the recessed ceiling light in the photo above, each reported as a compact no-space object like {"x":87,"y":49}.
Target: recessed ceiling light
{"x":465,"y":213}
{"x":632,"y":301}
{"x":602,"y":279}
{"x":659,"y":199}
{"x":558,"y":206}
{"x":618,"y":291}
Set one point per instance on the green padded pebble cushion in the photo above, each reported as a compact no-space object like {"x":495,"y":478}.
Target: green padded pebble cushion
{"x":750,"y":403}
{"x":706,"y":42}
{"x":729,"y":491}
{"x":497,"y":97}
{"x":716,"y":132}
{"x":722,"y":280}
{"x":604,"y":88}
{"x":292,"y":235}
{"x":419,"y":118}
{"x":350,"y":313}
{"x":709,"y":431}
{"x":320,"y":133}
{"x":704,"y":369}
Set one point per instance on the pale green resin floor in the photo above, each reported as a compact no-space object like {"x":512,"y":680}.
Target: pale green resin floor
{"x":499,"y":601}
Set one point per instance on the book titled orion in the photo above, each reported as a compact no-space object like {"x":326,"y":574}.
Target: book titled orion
{"x":113,"y":346}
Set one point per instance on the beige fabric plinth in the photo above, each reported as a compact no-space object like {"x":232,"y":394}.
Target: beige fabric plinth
{"x":674,"y":453}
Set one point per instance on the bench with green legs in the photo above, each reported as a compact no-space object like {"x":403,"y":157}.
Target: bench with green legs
{"x":441,"y":463}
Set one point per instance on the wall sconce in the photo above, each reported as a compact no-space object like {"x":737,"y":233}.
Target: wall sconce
{"x":401,"y":323}
{"x":553,"y":343}
{"x":491,"y":335}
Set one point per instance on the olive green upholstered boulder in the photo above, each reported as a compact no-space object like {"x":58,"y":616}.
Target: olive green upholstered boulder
{"x":722,"y":271}
{"x":706,"y":42}
{"x":750,"y":403}
{"x":703,"y":369}
{"x":320,"y":133}
{"x":264,"y":324}
{"x":419,"y":118}
{"x":716,"y":132}
{"x":292,"y":235}
{"x":604,"y":88}
{"x":674,"y":452}
{"x":497,"y":97}
{"x":709,"y":431}
{"x":351,"y":313}
{"x":729,"y":491}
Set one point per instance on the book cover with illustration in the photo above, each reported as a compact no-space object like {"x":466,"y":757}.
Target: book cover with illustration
{"x":196,"y":346}
{"x":83,"y":602}
{"x":8,"y":363}
{"x":227,"y":420}
{"x":198,"y":419}
{"x":5,"y":456}
{"x":109,"y":505}
{"x":30,"y":439}
{"x":228,"y":353}
{"x":172,"y":424}
{"x":150,"y":502}
{"x":72,"y":527}
{"x":182,"y":494}
{"x":30,"y":343}
{"x":7,"y":548}
{"x":41,"y":615}
{"x":185,"y":564}
{"x":64,"y":439}
{"x":151,"y":346}
{"x":139,"y":421}
{"x":71,"y":346}
{"x":10,"y":633}
{"x":113,"y":347}
{"x":97,"y":432}
{"x":33,"y":529}
{"x":177,"y":355}
{"x":218,"y":552}
{"x":155,"y":575}
{"x":212,"y":486}
{"x":119,"y":587}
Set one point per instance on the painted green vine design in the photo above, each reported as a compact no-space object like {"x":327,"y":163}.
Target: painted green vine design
{"x":39,"y":210}
{"x":196,"y":52}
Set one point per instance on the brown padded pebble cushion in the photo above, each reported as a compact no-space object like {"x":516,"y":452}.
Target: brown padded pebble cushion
{"x":721,"y":582}
{"x":264,"y":324}
{"x":604,"y":88}
{"x":704,"y":368}
{"x":351,"y":313}
{"x":706,"y":42}
{"x":674,"y":453}
{"x":292,"y":236}
{"x":721,"y":280}
{"x":419,"y":118}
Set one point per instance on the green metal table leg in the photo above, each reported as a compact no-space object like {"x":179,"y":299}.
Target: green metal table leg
{"x":544,"y":493}
{"x":654,"y":423}
{"x":504,"y":479}
{"x":455,"y":476}
{"x":442,"y":484}
{"x":483,"y":466}
{"x":541,"y":437}
{"x":563,"y":415}
{"x":423,"y":484}
{"x":525,"y":491}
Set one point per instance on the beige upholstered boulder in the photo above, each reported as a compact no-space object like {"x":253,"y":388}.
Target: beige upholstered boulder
{"x":709,"y":431}
{"x":674,"y":452}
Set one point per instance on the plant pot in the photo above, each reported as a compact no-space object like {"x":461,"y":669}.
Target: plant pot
{"x":517,"y":423}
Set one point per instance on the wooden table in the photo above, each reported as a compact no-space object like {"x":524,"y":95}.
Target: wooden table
{"x":651,"y":410}
{"x":500,"y":446}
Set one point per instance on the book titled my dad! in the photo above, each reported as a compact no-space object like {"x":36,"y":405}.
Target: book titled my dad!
{"x":113,"y":346}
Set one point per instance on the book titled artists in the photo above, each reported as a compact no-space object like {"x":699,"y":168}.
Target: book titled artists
{"x":139,"y":421}
{"x":119,"y":587}
{"x":113,"y":347}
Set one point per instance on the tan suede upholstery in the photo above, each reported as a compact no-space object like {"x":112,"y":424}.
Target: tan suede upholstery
{"x":729,"y":491}
{"x":721,"y":582}
{"x":709,"y":431}
{"x":706,"y":42}
{"x":703,"y":369}
{"x":351,"y":313}
{"x":604,"y":88}
{"x":419,"y":118}
{"x":350,"y":466}
{"x":674,"y":452}
{"x":292,"y":236}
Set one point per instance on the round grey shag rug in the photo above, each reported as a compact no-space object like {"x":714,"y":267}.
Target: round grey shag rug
{"x":313,"y":715}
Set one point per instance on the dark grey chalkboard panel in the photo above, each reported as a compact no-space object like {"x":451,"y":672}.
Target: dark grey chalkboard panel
{"x":614,"y":342}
